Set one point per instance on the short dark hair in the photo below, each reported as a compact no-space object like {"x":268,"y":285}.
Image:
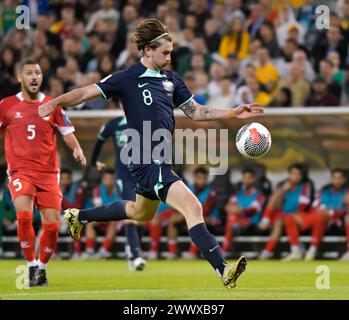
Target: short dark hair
{"x":147,"y":33}
{"x":339,"y":170}
{"x":302,"y":167}
{"x":202,"y":170}
{"x":25,"y":62}
{"x":108,"y":171}
{"x":249,"y":170}
{"x":66,"y":170}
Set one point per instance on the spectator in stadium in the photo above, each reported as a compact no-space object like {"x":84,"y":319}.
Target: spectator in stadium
{"x":226,"y":96}
{"x":329,"y":208}
{"x":295,"y":82}
{"x":207,"y":196}
{"x":200,"y":9}
{"x":106,"y":11}
{"x":339,"y":75}
{"x":244,"y":209}
{"x":282,"y":98}
{"x":259,"y":95}
{"x":244,"y":95}
{"x":256,"y":18}
{"x":188,"y":62}
{"x":233,"y":67}
{"x":70,"y":74}
{"x":8,"y":16}
{"x":211,"y":35}
{"x":103,"y":194}
{"x":217,"y":72}
{"x":130,"y":51}
{"x":174,"y":30}
{"x":300,"y":57}
{"x":266,"y":73}
{"x":65,"y":27}
{"x":332,"y":40}
{"x":102,"y":49}
{"x":326,"y":71}
{"x":236,"y":40}
{"x":320,"y":96}
{"x":201,"y":82}
{"x":283,"y":62}
{"x":106,"y":65}
{"x":55,"y":86}
{"x":190,"y":81}
{"x":288,"y":26}
{"x":306,"y":15}
{"x":293,"y":195}
{"x":268,"y":38}
{"x":252,"y":57}
{"x":43,"y":25}
{"x":8,"y":80}
{"x":127,"y":22}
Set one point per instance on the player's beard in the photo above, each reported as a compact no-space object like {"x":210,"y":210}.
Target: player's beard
{"x":32,"y":92}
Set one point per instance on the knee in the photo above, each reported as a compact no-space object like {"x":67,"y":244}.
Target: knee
{"x":194,"y":209}
{"x":51,"y":228}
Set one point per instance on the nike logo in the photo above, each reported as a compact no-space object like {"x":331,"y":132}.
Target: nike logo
{"x":142,"y":85}
{"x":213,"y":248}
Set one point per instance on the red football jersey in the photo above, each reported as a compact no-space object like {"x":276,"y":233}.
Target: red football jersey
{"x":30,"y":141}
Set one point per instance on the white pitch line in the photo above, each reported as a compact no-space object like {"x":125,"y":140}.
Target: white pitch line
{"x":152,"y":290}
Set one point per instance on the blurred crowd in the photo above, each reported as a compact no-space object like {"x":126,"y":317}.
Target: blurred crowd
{"x":228,"y":51}
{"x":249,"y":207}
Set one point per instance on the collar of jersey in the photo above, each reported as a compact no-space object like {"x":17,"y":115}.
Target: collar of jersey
{"x":152,"y":74}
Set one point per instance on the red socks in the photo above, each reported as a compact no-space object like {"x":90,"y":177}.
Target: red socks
{"x":271,"y":245}
{"x":26,"y":234}
{"x":48,"y":241}
{"x":347,"y":234}
{"x":155,"y":235}
{"x":107,"y":244}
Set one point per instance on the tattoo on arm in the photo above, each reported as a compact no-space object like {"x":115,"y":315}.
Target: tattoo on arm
{"x":189,"y":108}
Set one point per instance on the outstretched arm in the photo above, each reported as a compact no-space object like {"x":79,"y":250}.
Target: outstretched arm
{"x":73,"y":144}
{"x":70,"y":99}
{"x":199,"y":112}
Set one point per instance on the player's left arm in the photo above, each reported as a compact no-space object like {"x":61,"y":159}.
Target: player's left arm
{"x":198,"y":112}
{"x":72,"y":142}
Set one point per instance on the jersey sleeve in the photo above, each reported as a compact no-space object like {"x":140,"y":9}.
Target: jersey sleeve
{"x":181,"y":94}
{"x":62,"y":122}
{"x":111,"y":85}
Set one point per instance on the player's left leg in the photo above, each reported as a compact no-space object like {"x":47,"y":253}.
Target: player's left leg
{"x":48,"y":240}
{"x":172,"y":233}
{"x":316,"y":220}
{"x":184,"y":201}
{"x":104,"y":250}
{"x":292,"y":226}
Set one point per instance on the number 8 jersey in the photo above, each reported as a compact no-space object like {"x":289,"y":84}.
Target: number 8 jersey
{"x":30,"y":141}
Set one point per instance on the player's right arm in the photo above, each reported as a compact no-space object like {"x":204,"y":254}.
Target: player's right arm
{"x":70,"y":99}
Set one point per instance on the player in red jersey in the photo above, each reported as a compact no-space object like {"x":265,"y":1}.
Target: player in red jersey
{"x":33,"y":168}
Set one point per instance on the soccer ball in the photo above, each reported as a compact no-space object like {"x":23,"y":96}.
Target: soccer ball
{"x":253,"y":140}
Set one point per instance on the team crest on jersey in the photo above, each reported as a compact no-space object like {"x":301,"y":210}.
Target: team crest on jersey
{"x":168,"y":85}
{"x":18,"y":115}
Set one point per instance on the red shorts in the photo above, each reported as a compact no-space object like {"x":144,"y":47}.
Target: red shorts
{"x":42,"y":187}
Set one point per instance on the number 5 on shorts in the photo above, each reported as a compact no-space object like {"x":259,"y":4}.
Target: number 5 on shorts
{"x":17,"y":184}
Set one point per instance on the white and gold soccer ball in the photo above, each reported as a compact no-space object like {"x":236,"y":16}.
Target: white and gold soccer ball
{"x":253,"y":140}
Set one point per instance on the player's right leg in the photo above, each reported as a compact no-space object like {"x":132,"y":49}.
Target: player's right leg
{"x":184,"y":201}
{"x":26,"y":234}
{"x":276,"y":232}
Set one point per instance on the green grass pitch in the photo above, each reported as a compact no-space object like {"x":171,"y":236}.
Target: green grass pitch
{"x":177,"y":280}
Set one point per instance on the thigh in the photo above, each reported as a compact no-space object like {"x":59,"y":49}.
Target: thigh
{"x":24,"y":203}
{"x":181,"y":198}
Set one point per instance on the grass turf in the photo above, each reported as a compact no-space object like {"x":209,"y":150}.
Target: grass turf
{"x":177,"y":279}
